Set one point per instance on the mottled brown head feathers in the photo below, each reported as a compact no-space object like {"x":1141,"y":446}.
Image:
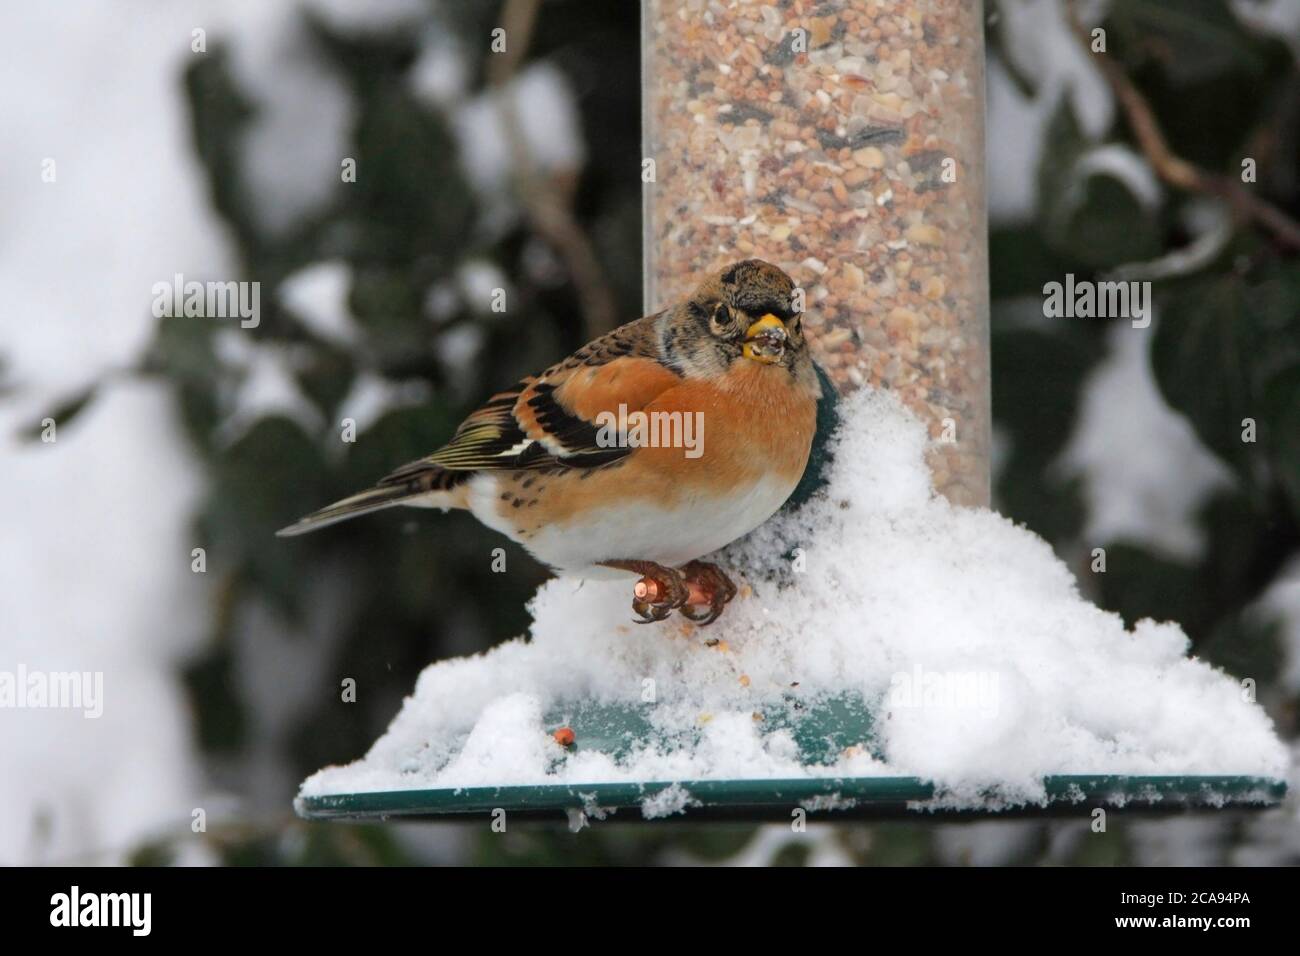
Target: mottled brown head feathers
{"x":705,"y":335}
{"x":752,"y":286}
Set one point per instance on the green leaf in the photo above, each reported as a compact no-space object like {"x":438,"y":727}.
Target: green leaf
{"x":1192,"y":40}
{"x":212,"y":682}
{"x":268,"y":478}
{"x":389,"y":305}
{"x":1021,"y":262}
{"x":1105,"y":225}
{"x":1138,"y":584}
{"x":1208,"y":79}
{"x":327,"y":377}
{"x":402,"y":150}
{"x":1281,"y":412}
{"x":1037,"y":376}
{"x":1226,"y":355}
{"x":1201,"y":358}
{"x":1244,"y":645}
{"x":1063,"y":145}
{"x":1244,"y":549}
{"x":219,"y":114}
{"x":1089,"y":216}
{"x":183,"y":350}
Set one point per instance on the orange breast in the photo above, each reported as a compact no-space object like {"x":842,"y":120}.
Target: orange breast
{"x":632,"y":382}
{"x":755,"y":424}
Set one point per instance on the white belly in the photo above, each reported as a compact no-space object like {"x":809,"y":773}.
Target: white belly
{"x":692,"y":529}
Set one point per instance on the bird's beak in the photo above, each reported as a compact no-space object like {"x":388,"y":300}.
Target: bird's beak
{"x":765,"y":340}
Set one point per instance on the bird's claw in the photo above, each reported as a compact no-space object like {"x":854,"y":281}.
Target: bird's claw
{"x":658,"y":593}
{"x":707,"y":615}
{"x":699,"y":590}
{"x":710,"y":589}
{"x":649,"y":613}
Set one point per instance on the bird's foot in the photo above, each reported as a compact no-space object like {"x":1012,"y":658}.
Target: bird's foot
{"x":710,"y":589}
{"x":658,"y":592}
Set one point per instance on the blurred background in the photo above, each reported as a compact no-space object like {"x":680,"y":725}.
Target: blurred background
{"x":212,"y":139}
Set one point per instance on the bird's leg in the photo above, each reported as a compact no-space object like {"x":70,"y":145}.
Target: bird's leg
{"x":708,"y":585}
{"x":659,"y":591}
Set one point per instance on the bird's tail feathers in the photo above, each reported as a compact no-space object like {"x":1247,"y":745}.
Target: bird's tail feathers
{"x":374,"y":499}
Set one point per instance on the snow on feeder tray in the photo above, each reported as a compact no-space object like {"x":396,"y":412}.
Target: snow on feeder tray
{"x":891,"y":651}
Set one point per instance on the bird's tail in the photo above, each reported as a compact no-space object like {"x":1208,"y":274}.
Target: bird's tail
{"x":374,"y":499}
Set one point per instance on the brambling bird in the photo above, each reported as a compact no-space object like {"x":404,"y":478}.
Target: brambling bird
{"x":567,"y":463}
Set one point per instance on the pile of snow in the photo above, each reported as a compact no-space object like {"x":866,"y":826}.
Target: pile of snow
{"x":964,"y":634}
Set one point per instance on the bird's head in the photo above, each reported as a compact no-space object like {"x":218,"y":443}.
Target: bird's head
{"x":742,"y":313}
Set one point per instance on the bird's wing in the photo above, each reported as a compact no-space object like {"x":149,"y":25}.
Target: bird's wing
{"x":552,"y":419}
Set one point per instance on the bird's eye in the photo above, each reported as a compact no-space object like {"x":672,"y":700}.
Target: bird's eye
{"x":722,"y":322}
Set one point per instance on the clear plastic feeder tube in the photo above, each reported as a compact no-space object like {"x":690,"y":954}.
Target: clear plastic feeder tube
{"x":841,"y":140}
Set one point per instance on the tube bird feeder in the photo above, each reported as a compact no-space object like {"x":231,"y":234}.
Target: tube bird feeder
{"x":844,"y":142}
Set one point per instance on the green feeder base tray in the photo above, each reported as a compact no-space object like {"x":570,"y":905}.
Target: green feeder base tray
{"x":837,"y":798}
{"x":821,"y":729}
